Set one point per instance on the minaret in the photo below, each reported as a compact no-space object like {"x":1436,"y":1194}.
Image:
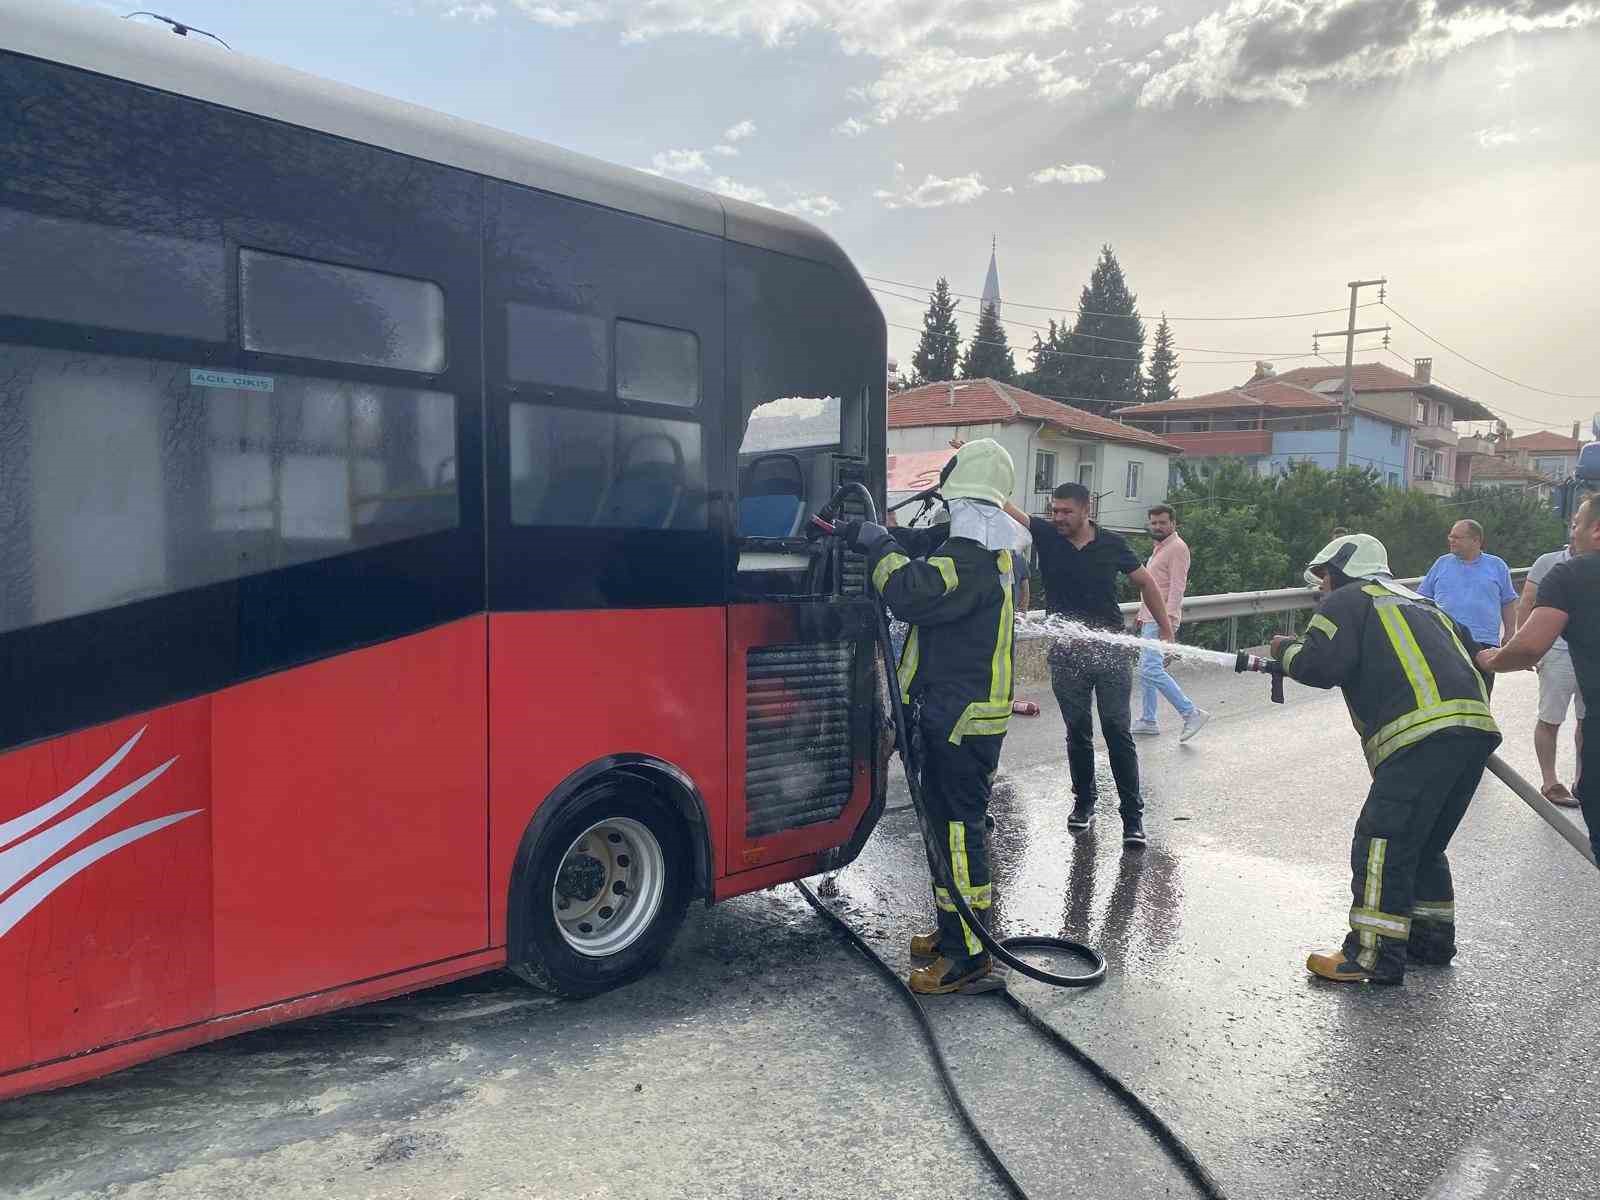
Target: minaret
{"x":991,"y":283}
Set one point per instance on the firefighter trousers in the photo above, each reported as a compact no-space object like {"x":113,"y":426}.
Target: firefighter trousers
{"x":1400,"y":875}
{"x":956,"y":784}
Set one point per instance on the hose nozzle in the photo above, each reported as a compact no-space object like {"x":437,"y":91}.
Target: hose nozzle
{"x":1266,"y":666}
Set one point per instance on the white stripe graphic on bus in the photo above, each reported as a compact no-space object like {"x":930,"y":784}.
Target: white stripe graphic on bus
{"x":18,"y":860}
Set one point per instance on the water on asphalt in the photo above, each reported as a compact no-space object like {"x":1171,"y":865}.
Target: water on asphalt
{"x":765,"y":1059}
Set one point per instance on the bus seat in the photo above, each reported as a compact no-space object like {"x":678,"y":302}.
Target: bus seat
{"x":772,"y":497}
{"x":648,"y":487}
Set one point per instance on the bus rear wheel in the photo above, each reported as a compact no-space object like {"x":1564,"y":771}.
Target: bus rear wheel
{"x":609,"y":884}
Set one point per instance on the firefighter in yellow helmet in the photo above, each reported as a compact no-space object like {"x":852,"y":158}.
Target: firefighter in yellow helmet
{"x":1422,"y":711}
{"x":954,"y":584}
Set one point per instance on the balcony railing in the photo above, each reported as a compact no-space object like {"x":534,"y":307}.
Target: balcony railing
{"x":1435,"y":435}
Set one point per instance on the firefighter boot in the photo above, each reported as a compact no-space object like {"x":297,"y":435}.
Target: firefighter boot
{"x":944,"y":975}
{"x":1337,"y":967}
{"x":925,"y":945}
{"x":1432,"y":943}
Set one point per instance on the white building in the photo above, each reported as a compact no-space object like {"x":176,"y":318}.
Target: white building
{"x":1052,"y":443}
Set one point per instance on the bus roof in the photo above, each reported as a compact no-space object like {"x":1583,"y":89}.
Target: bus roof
{"x":191,"y":66}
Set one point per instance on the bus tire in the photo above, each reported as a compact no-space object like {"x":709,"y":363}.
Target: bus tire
{"x":604,"y":891}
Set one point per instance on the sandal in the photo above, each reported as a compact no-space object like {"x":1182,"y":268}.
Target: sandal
{"x":1025,"y":708}
{"x":1557,"y":793}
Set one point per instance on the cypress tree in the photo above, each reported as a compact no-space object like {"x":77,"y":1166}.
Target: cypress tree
{"x":1108,"y":337}
{"x":939,"y":350}
{"x":988,"y":355}
{"x":1162,"y":380}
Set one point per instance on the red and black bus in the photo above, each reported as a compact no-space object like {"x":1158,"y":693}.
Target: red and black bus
{"x":400,"y":570}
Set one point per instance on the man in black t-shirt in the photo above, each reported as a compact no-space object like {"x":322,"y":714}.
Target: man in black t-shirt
{"x":1568,"y":606}
{"x":1079,"y":563}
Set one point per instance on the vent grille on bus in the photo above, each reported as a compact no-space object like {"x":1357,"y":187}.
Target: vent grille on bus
{"x":797,"y":735}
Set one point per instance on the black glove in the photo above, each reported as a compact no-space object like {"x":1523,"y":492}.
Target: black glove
{"x":862,"y":536}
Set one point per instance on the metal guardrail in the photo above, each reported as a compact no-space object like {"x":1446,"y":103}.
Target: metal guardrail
{"x":1230,"y":606}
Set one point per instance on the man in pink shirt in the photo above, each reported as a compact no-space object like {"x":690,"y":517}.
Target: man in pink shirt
{"x":1169,"y":567}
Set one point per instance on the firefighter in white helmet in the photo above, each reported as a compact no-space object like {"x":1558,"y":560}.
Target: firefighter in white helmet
{"x":1422,"y":711}
{"x":955,"y":585}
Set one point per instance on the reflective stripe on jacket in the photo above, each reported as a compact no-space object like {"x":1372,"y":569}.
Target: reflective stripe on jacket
{"x":959,"y":599}
{"x":1405,"y":667}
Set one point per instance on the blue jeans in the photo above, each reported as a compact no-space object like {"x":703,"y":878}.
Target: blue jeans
{"x":1153,"y":678}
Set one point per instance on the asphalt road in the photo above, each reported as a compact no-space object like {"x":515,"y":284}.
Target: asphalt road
{"x":766,"y":1060}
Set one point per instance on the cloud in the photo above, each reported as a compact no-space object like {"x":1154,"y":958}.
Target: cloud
{"x":735,"y":190}
{"x":813,"y":206}
{"x":934,"y":192}
{"x":1069,"y":173}
{"x":852,"y":127}
{"x":1278,"y":49}
{"x":738,"y":133}
{"x":896,"y":32}
{"x":680,"y":162}
{"x":1136,"y":17}
{"x":932,"y":82}
{"x":1496,"y":136}
{"x":725,"y":150}
{"x":476,"y":13}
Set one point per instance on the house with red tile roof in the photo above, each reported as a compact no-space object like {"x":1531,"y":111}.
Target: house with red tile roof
{"x":1402,"y":426}
{"x":1552,"y":455}
{"x":1052,"y":443}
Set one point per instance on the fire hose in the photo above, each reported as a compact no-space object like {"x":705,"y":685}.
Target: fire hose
{"x":1000,"y":948}
{"x":1502,"y":770}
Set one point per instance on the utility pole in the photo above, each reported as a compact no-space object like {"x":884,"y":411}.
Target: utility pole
{"x":1348,"y":401}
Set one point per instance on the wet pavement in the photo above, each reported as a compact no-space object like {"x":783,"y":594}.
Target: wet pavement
{"x":765,"y":1059}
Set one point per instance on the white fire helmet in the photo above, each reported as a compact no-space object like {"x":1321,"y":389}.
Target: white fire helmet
{"x":982,"y":471}
{"x":1357,"y":555}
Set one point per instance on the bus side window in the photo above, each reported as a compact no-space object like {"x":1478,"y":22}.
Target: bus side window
{"x":580,"y":467}
{"x":126,"y":478}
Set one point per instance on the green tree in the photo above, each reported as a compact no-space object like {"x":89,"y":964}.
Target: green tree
{"x":1517,"y":525}
{"x":939,"y":350}
{"x":1050,"y":365}
{"x":1412,"y":527}
{"x":988,"y":356}
{"x":1309,"y":503}
{"x":1161,"y":379}
{"x":1107,"y":339}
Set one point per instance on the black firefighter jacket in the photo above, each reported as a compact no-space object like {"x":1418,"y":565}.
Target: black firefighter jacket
{"x":1405,"y":666}
{"x":958,"y":598}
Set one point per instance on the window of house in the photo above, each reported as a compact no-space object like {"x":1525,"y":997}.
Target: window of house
{"x":1394,"y":479}
{"x":657,"y":365}
{"x":305,"y":309}
{"x":1086,"y":475}
{"x":1135,"y":471}
{"x":1394,"y":435}
{"x":1044,"y":471}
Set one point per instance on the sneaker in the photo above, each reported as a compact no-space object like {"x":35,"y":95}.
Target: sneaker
{"x":1194,"y":723}
{"x":1133,"y":832}
{"x":1145,"y":729}
{"x":1082,"y":815}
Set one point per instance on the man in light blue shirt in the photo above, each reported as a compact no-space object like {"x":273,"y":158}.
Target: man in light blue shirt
{"x":1473,"y":587}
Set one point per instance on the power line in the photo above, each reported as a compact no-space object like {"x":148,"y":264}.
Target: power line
{"x":1490,"y":370}
{"x":1073,"y":308}
{"x":1260,"y":354}
{"x":1503,"y":414}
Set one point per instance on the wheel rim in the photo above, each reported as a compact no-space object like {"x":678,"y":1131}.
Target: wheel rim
{"x":608,"y":887}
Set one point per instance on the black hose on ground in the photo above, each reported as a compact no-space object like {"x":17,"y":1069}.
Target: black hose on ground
{"x":1000,"y":948}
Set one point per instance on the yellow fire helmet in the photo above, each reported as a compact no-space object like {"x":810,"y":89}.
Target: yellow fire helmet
{"x":983,"y":471}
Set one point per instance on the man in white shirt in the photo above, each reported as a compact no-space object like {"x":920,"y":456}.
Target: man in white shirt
{"x":1558,"y":685}
{"x":1169,"y":567}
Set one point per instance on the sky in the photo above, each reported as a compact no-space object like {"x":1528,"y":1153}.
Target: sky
{"x":1243,"y":159}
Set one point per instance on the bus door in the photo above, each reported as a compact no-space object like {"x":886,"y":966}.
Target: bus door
{"x":803,"y":713}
